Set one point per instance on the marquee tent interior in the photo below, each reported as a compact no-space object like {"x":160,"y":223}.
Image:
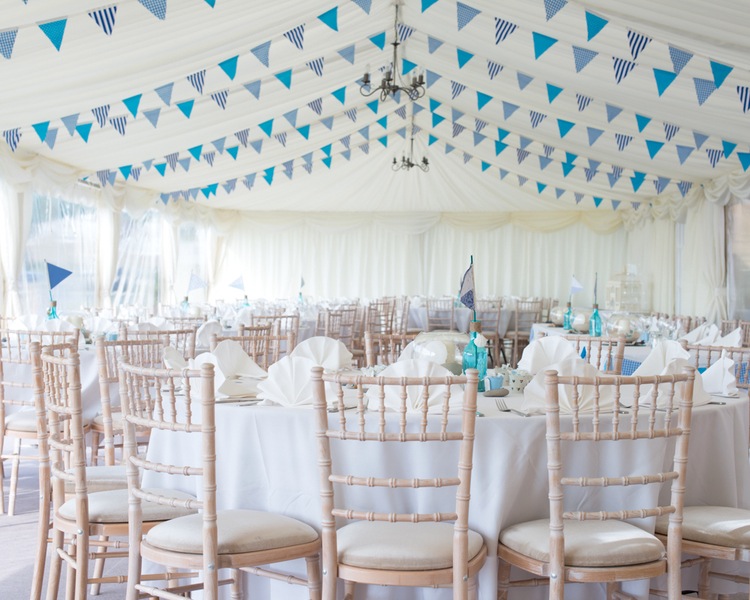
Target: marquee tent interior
{"x":223,"y":139}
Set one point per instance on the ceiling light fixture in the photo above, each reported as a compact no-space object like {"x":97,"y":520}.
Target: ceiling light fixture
{"x":392,"y":81}
{"x":407,"y":162}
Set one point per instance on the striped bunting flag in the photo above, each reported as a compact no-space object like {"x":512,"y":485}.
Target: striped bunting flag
{"x":316,"y":66}
{"x":316,"y":106}
{"x":288,"y":168}
{"x":105,"y":18}
{"x":522,"y":180}
{"x":401,"y":111}
{"x":415,"y":129}
{"x":548,"y":150}
{"x":521,"y":155}
{"x":456,"y":89}
{"x":623,"y":141}
{"x":458,"y":129}
{"x":493,"y":68}
{"x":346,"y":141}
{"x":660,"y":183}
{"x":617,"y":171}
{"x":100,"y":114}
{"x":221,"y":98}
{"x":297,"y":36}
{"x":351,"y":114}
{"x":307,"y":167}
{"x":467,"y":157}
{"x":578,"y":197}
{"x":172,"y":160}
{"x":12,"y":137}
{"x":404,"y":32}
{"x":365,"y":147}
{"x":637,"y":43}
{"x":209,"y":157}
{"x":536,"y":118}
{"x":197,"y":80}
{"x":7,"y":41}
{"x":684,"y":187}
{"x":103,"y":177}
{"x":503,"y":29}
{"x":135,"y":173}
{"x":119,"y":124}
{"x":281,"y":138}
{"x":590,"y":173}
{"x":744,"y":93}
{"x":670,"y":130}
{"x":622,"y":68}
{"x":479,"y":124}
{"x":713,"y":156}
{"x":242,"y":136}
{"x":229,"y":185}
{"x":583,"y":102}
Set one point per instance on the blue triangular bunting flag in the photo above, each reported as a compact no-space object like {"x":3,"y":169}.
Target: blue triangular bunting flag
{"x":379,"y":40}
{"x":663,"y":79}
{"x":720,"y":72}
{"x":482,"y":100}
{"x":653,"y":147}
{"x":700,"y":139}
{"x":465,"y":14}
{"x":594,"y":134}
{"x":552,"y":7}
{"x":642,"y":122}
{"x":186,"y":108}
{"x":70,"y":123}
{"x":637,"y":43}
{"x":41,"y":129}
{"x":612,"y":112}
{"x":105,"y":18}
{"x":744,"y":159}
{"x":84,"y":130}
{"x":297,"y":36}
{"x":431,"y":78}
{"x":100,"y":114}
{"x":132,"y":104}
{"x":594,"y":24}
{"x":229,"y":66}
{"x":285,"y":77}
{"x":304,"y":131}
{"x":158,"y":8}
{"x":331,"y":18}
{"x":683,"y":152}
{"x":503,"y":29}
{"x":622,"y":68}
{"x":463,"y":57}
{"x":165,"y":93}
{"x":433,"y":44}
{"x":56,"y":275}
{"x":267,"y":127}
{"x":564,"y":127}
{"x":553,"y":92}
{"x":219,"y":144}
{"x":703,"y":89}
{"x":728,"y":148}
{"x":340,"y":94}
{"x":261,"y":52}
{"x":542,"y":43}
{"x":743,"y":92}
{"x":493,"y":69}
{"x":365,"y":5}
{"x":679,"y":58}
{"x":7,"y":41}
{"x":197,"y":80}
{"x":582,"y":57}
{"x":347,"y":54}
{"x":254,"y":88}
{"x":54,"y":30}
{"x":152,"y":116}
{"x":195,"y":151}
{"x":508,"y":109}
{"x":523,"y":80}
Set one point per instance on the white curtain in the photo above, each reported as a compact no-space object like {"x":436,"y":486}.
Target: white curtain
{"x":108,"y":241}
{"x":15,"y":213}
{"x":651,"y":249}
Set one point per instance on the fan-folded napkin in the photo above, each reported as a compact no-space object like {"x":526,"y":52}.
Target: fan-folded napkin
{"x":160,"y":322}
{"x":204,"y":333}
{"x":534,"y":395}
{"x":244,"y":317}
{"x":99,"y":325}
{"x":326,"y":352}
{"x":731,"y":340}
{"x":235,"y":374}
{"x":710,"y":335}
{"x":415,"y":393}
{"x":37,"y":323}
{"x":546,"y":351}
{"x":719,"y":377}
{"x":289,"y":382}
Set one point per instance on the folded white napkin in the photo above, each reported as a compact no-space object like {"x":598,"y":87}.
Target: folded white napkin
{"x":174,"y":359}
{"x":98,"y":325}
{"x":434,"y":351}
{"x":710,"y":335}
{"x":731,"y":340}
{"x":326,"y":352}
{"x":235,"y":373}
{"x":244,"y":317}
{"x":542,"y":352}
{"x":534,"y":395}
{"x":39,"y":323}
{"x":696,"y":334}
{"x":204,"y":333}
{"x":143,"y":326}
{"x":719,"y":378}
{"x":160,"y":322}
{"x":289,"y":383}
{"x":666,"y":358}
{"x":415,"y":393}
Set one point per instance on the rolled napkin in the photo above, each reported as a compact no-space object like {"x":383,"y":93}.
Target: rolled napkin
{"x":289,"y":382}
{"x":696,"y":334}
{"x":534,"y":395}
{"x":415,"y":393}
{"x":236,"y":375}
{"x":546,"y":351}
{"x":719,"y":378}
{"x":666,"y":358}
{"x":204,"y":333}
{"x":731,"y":340}
{"x":326,"y":352}
{"x":710,"y":335}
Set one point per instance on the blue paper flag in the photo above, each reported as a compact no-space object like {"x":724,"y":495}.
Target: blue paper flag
{"x":56,"y":275}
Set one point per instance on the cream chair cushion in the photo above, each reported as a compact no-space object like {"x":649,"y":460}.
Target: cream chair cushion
{"x":112,"y":507}
{"x":101,"y":479}
{"x":400,"y":546}
{"x":23,"y":420}
{"x":117,"y":421}
{"x":239,"y":531}
{"x":587,"y":543}
{"x":718,"y":525}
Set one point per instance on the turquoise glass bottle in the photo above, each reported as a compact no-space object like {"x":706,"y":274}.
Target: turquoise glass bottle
{"x":185,"y":306}
{"x":595,"y":323}
{"x":52,"y":310}
{"x":475,"y":357}
{"x":568,"y":319}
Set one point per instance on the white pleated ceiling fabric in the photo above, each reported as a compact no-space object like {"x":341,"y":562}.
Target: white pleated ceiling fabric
{"x":593,"y":105}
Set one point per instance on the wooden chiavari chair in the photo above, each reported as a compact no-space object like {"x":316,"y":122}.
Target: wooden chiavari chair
{"x":181,"y":339}
{"x":441,"y":314}
{"x":605,"y":353}
{"x":384,"y":349}
{"x":525,"y":314}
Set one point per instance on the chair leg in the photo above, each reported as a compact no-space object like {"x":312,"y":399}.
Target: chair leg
{"x":98,"y":569}
{"x":14,"y":478}
{"x":313,"y":577}
{"x":41,"y":549}
{"x":473,"y":588}
{"x":704,"y":587}
{"x":95,"y":441}
{"x":82,"y":565}
{"x":55,"y":565}
{"x":503,"y":579}
{"x":236,"y":584}
{"x":348,"y":590}
{"x":70,"y":574}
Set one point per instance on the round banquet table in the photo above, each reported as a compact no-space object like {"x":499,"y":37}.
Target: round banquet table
{"x":266,"y":460}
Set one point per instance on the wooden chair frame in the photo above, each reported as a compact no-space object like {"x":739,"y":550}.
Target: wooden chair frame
{"x":441,"y":314}
{"x":605,"y":353}
{"x":525,"y":314}
{"x":181,"y":339}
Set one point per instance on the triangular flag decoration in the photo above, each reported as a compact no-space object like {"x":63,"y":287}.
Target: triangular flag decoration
{"x":229,"y":66}
{"x":703,"y":89}
{"x":365,"y":5}
{"x":41,"y":129}
{"x":253,"y":87}
{"x":433,"y":44}
{"x":503,"y":29}
{"x":100,"y":114}
{"x":84,"y":130}
{"x":7,"y":41}
{"x":594,"y":24}
{"x":683,"y":152}
{"x":261,"y":52}
{"x":70,"y":123}
{"x":238,"y":283}
{"x":552,"y":7}
{"x":684,"y":187}
{"x":720,"y":72}
{"x":713,"y":156}
{"x":195,"y":283}
{"x":340,"y":94}
{"x":132,"y":104}
{"x":637,"y":43}
{"x":54,"y":30}
{"x":466,"y":295}
{"x":379,"y":40}
{"x":744,"y":159}
{"x":465,"y":14}
{"x":316,"y":66}
{"x":523,"y":80}
{"x":330,"y":18}
{"x":700,"y":139}
{"x":152,"y":116}
{"x":482,"y":100}
{"x":542,"y":43}
{"x":186,"y":108}
{"x":119,"y":124}
{"x":564,"y":127}
{"x":653,"y":147}
{"x":463,"y":57}
{"x":51,"y":137}
{"x":642,"y":122}
{"x":297,"y":36}
{"x":347,"y":54}
{"x":56,"y":275}
{"x":728,"y":148}
{"x":553,"y":92}
{"x":594,"y":134}
{"x":679,"y":58}
{"x":285,"y":77}
{"x":583,"y":102}
{"x":221,"y":98}
{"x":158,"y":8}
{"x":427,"y":3}
{"x":622,"y":68}
{"x":493,"y":69}
{"x":663,"y":79}
{"x":165,"y":93}
{"x":612,"y":112}
{"x":670,"y":131}
{"x":582,"y":57}
{"x":105,"y":18}
{"x":743,"y":92}
{"x":126,"y":171}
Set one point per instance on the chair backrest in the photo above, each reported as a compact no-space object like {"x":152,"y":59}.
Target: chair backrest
{"x":401,"y":314}
{"x":361,"y":429}
{"x":339,"y":324}
{"x":384,"y":349}
{"x":15,"y":363}
{"x":727,"y":326}
{"x":526,"y":313}
{"x":605,"y":353}
{"x":378,"y":317}
{"x":151,"y":401}
{"x":280,"y":324}
{"x":262,"y":344}
{"x":181,"y":339}
{"x":187,"y":322}
{"x":146,"y":353}
{"x":662,"y":409}
{"x":703,"y":357}
{"x":488,"y":312}
{"x":441,"y":314}
{"x":547,"y":305}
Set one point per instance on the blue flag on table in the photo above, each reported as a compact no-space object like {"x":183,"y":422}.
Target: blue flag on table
{"x":575,"y":285}
{"x":301,"y":282}
{"x":196,"y":283}
{"x":466,"y":295}
{"x":56,"y":274}
{"x":238,"y":283}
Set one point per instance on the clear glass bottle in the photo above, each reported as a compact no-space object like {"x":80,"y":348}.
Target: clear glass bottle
{"x":568,"y":318}
{"x":245,"y":302}
{"x":475,"y":357}
{"x":185,"y":306}
{"x":52,"y":310}
{"x":595,"y":323}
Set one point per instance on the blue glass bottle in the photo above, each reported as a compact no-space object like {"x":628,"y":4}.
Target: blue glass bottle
{"x":568,"y":319}
{"x":185,"y":306}
{"x":245,"y":302}
{"x":595,"y":323}
{"x":52,"y":311}
{"x":475,"y":357}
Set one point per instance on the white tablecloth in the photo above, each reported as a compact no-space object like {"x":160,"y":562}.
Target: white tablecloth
{"x":267,"y":460}
{"x":461,"y":318}
{"x":636,"y":353}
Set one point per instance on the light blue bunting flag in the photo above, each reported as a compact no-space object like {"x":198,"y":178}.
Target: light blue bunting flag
{"x":56,"y":275}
